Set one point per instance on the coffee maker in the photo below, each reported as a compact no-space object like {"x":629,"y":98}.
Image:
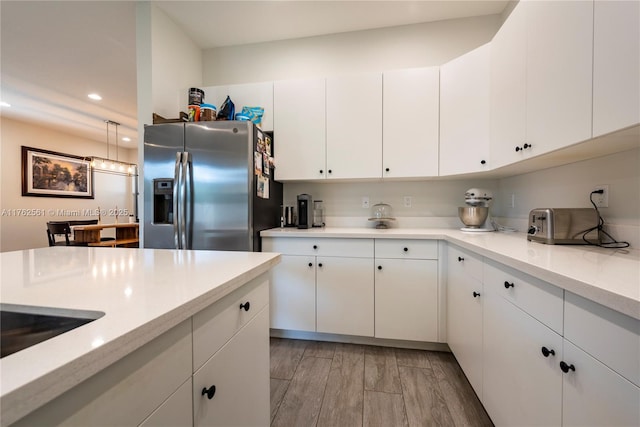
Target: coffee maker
{"x":305,"y":211}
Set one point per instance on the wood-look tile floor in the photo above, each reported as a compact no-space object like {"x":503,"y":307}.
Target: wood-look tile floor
{"x":346,"y":385}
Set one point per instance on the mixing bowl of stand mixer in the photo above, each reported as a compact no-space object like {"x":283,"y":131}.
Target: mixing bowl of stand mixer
{"x":475,"y":216}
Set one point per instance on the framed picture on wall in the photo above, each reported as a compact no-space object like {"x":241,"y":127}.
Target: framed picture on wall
{"x":51,"y":174}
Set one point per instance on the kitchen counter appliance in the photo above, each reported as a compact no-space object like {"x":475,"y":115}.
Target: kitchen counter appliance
{"x":564,"y":226}
{"x":475,"y":216}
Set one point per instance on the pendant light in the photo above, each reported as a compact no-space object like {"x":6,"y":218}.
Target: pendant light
{"x":115,"y":166}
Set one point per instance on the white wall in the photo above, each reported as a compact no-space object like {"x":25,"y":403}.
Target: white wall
{"x":25,"y":232}
{"x":434,"y":203}
{"x":176,"y":65}
{"x":417,"y":45}
{"x":570,"y":186}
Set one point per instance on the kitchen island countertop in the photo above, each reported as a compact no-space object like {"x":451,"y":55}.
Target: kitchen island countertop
{"x":607,"y":276}
{"x":143,"y":293}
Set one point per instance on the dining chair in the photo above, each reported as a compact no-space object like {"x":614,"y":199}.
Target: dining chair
{"x":60,"y":228}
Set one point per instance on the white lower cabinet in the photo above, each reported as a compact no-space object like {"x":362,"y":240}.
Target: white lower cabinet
{"x":156,"y":385}
{"x":293,"y":293}
{"x":522,"y":382}
{"x":406,"y":299}
{"x":232,"y":388}
{"x":547,"y":357}
{"x":595,"y":395}
{"x":464,"y":313}
{"x":345,"y":294}
{"x":177,"y":410}
{"x":406,"y":289}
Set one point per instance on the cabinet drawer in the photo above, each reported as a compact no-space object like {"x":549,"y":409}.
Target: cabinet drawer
{"x":354,"y":248}
{"x":215,"y":325}
{"x":539,"y":299}
{"x":462,"y":261}
{"x":407,"y":248}
{"x":125,"y":393}
{"x":611,"y":337}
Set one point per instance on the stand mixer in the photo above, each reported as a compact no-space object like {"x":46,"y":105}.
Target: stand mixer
{"x":475,"y":216}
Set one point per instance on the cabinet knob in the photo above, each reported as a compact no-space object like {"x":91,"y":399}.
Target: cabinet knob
{"x":320,"y":264}
{"x":321,"y":171}
{"x":210,"y":392}
{"x":460,"y":259}
{"x":508,"y":285}
{"x":406,"y":249}
{"x":329,"y":171}
{"x":483,"y":162}
{"x":518,"y":149}
{"x":476,"y":294}
{"x":546,"y":352}
{"x":315,"y":246}
{"x":386,"y":169}
{"x":310,"y":264}
{"x":379,"y":267}
{"x":525,"y":146}
{"x":246,"y":306}
{"x":566,"y":368}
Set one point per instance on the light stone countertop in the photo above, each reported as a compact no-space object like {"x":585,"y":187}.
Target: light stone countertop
{"x":606,"y":276}
{"x":143,"y":293}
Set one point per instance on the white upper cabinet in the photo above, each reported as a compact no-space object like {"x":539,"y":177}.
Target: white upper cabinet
{"x":508,"y":87}
{"x":299,"y":129}
{"x":559,"y":73}
{"x":410,"y":115}
{"x":616,"y":66}
{"x":244,"y":95}
{"x":354,"y":126}
{"x":541,"y":78}
{"x":464,"y":113}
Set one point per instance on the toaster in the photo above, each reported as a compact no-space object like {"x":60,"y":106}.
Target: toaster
{"x":564,"y":226}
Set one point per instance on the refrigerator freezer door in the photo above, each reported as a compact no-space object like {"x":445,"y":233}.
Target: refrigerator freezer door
{"x":161,"y":143}
{"x":222,"y":156}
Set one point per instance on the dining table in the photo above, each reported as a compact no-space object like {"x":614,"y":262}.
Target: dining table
{"x":127,"y":235}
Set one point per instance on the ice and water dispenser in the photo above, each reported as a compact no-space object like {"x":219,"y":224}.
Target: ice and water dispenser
{"x":163,"y":201}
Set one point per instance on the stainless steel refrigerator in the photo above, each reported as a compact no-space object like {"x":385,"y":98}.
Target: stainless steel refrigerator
{"x":208,"y":185}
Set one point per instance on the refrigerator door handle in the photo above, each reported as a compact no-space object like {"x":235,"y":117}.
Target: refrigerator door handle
{"x":186,"y":183}
{"x":176,"y":200}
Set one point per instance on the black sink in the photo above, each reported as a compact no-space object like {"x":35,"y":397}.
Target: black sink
{"x":23,"y":326}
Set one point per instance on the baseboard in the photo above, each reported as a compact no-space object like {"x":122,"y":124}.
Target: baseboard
{"x":351,"y":339}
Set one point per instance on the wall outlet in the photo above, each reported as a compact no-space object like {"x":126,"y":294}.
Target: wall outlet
{"x":601,"y":200}
{"x":365,"y":202}
{"x":407,"y":201}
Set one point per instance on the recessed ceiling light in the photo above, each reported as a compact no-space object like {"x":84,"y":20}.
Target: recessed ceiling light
{"x":126,"y":138}
{"x":95,"y":96}
{"x":4,"y":104}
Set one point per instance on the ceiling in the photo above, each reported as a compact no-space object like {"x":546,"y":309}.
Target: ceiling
{"x":54,"y":53}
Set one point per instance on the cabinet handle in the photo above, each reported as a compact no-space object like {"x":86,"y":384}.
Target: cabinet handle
{"x":483,"y":162}
{"x":518,"y":149}
{"x":315,"y":246}
{"x":546,"y":352}
{"x":310,"y":264}
{"x":525,"y":146}
{"x":210,"y":392}
{"x":246,"y":306}
{"x":566,"y":368}
{"x":319,"y":264}
{"x":508,"y":285}
{"x":379,"y":267}
{"x":406,"y":249}
{"x":460,"y":259}
{"x":476,"y":294}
